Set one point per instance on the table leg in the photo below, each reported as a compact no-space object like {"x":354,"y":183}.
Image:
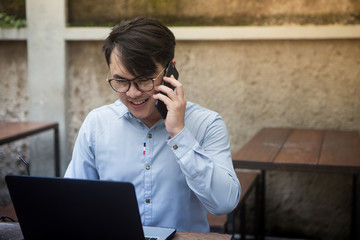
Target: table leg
{"x":57,"y":151}
{"x":262,"y":191}
{"x":355,"y":223}
{"x":243,"y":220}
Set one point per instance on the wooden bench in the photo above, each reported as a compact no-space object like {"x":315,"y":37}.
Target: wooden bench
{"x":225,"y":223}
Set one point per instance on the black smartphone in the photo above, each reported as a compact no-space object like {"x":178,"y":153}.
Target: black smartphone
{"x":169,"y":70}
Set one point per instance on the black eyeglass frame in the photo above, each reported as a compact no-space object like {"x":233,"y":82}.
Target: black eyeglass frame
{"x":134,"y":82}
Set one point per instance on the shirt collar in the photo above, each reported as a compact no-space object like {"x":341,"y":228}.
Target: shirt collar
{"x":125,"y":113}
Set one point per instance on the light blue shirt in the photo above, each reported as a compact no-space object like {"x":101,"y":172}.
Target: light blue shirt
{"x":176,"y":179}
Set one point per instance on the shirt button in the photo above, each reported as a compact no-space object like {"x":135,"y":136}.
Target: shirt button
{"x":147,"y":167}
{"x":175,"y":147}
{"x":149,"y":135}
{"x":147,"y":200}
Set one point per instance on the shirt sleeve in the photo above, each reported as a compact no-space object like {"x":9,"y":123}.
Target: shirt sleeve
{"x":208,"y":167}
{"x":82,"y":164}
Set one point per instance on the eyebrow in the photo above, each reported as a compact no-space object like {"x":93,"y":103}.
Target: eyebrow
{"x":117,"y":76}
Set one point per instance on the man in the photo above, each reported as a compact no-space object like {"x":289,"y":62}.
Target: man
{"x":181,"y":166}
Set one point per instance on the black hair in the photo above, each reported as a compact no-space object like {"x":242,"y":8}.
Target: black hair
{"x":141,"y":43}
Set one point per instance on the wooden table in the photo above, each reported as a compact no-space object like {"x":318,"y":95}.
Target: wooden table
{"x":201,"y":236}
{"x":289,"y":149}
{"x":12,"y":131}
{"x":12,"y":231}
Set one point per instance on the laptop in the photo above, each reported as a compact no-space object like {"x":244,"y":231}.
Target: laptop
{"x":63,"y":208}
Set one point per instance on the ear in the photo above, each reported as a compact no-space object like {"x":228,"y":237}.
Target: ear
{"x":174,"y":62}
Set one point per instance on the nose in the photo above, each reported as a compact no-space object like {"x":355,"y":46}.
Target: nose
{"x":133,"y":91}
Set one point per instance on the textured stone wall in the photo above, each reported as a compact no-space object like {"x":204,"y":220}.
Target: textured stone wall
{"x":87,"y":71}
{"x":216,"y":12}
{"x":13,"y":107}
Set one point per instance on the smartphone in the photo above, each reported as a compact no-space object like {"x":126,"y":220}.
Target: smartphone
{"x":169,"y":70}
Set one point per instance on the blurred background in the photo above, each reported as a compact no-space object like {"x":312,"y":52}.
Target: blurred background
{"x":264,"y":63}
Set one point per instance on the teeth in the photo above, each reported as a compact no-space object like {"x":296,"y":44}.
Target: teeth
{"x":138,"y":103}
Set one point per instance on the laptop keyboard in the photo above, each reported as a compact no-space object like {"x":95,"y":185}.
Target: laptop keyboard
{"x":151,"y":238}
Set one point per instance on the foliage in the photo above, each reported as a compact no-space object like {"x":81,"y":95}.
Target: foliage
{"x":9,"y":21}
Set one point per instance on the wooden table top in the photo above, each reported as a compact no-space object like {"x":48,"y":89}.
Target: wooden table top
{"x":201,"y":236}
{"x":301,"y":149}
{"x":11,"y":131}
{"x":12,"y":231}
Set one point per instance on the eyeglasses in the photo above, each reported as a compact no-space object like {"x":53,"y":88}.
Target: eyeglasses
{"x":142,"y":84}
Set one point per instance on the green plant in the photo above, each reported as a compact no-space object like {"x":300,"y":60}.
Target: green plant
{"x":9,"y":21}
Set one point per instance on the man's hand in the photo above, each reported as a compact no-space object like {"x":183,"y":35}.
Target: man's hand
{"x":175,"y":102}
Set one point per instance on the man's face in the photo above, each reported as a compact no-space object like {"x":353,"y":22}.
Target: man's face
{"x":140,"y":104}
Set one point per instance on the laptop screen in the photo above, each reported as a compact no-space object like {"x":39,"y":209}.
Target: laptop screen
{"x":62,"y":208}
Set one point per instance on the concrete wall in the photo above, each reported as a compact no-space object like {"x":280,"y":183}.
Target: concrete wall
{"x":217,"y":12}
{"x":13,"y":107}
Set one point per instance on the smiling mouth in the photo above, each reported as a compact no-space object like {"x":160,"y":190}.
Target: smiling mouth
{"x":139,"y":102}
